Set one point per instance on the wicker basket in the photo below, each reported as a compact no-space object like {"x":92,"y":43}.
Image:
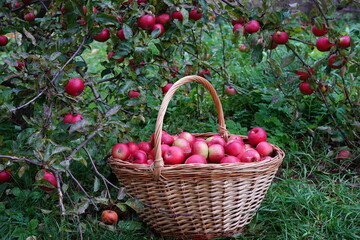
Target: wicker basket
{"x":197,"y":201}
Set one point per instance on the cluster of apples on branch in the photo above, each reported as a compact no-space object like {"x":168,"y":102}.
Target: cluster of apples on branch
{"x":186,"y":148}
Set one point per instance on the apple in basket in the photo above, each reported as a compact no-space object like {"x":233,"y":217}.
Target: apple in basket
{"x":257,"y":135}
{"x":230,"y":159}
{"x":174,"y":155}
{"x":196,"y":159}
{"x":264,"y":149}
{"x":200,"y":147}
{"x":234,"y":148}
{"x":250,"y":156}
{"x":216,"y":153}
{"x":120,"y":151}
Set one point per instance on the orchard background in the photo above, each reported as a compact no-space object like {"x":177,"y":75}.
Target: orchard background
{"x":123,"y":69}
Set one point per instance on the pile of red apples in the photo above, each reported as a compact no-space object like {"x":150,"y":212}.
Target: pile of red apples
{"x":185,"y":148}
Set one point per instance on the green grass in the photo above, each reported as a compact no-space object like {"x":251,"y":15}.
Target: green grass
{"x":316,"y":205}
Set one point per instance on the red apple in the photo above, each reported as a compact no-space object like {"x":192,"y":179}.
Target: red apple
{"x":250,"y":156}
{"x":3,"y":40}
{"x":280,"y":37}
{"x":257,"y":135}
{"x":138,"y":157}
{"x":216,"y":153}
{"x":264,"y":149}
{"x":200,"y":148}
{"x":164,"y":148}
{"x":174,"y":155}
{"x":230,"y":159}
{"x":266,"y":158}
{"x":230,"y":91}
{"x":196,"y":159}
{"x":133,"y":147}
{"x":215,"y":140}
{"x":133,"y":94}
{"x":94,"y":10}
{"x":49,"y":176}
{"x":234,"y":148}
{"x":203,"y":72}
{"x":241,"y":20}
{"x":120,"y":151}
{"x":252,"y":26}
{"x":146,"y":22}
{"x":343,"y":155}
{"x":305,"y":88}
{"x":120,"y":34}
{"x":183,"y":144}
{"x":200,"y":139}
{"x":29,"y":17}
{"x":273,"y":44}
{"x":188,"y":136}
{"x":234,"y":137}
{"x":177,"y":15}
{"x":75,"y":86}
{"x":82,"y":22}
{"x":195,"y":14}
{"x":167,"y":139}
{"x":323,"y":44}
{"x":145,"y":146}
{"x":242,"y":47}
{"x":163,"y":18}
{"x":159,"y":26}
{"x":323,"y":88}
{"x":70,"y":118}
{"x":336,"y":58}
{"x":319,"y":32}
{"x":344,"y":41}
{"x":238,"y":26}
{"x":5,"y":176}
{"x":166,"y":88}
{"x":20,"y":65}
{"x":248,"y":147}
{"x":305,"y":74}
{"x":103,"y":36}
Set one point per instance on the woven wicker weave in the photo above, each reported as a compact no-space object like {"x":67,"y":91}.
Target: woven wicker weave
{"x":197,"y":201}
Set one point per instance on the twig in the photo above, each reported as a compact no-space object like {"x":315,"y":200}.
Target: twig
{"x":97,"y":172}
{"x":322,"y":12}
{"x":298,"y":40}
{"x":334,"y":120}
{"x":82,"y":189}
{"x":297,"y":55}
{"x":55,"y":76}
{"x":347,"y":96}
{"x":61,"y":196}
{"x":57,"y":176}
{"x":93,"y":134}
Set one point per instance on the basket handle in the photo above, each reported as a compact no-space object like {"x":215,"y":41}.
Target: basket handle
{"x":159,"y":162}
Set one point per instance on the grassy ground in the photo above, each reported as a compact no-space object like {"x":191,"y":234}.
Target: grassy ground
{"x":320,"y":205}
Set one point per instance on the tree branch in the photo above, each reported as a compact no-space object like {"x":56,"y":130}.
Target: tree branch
{"x":55,"y":76}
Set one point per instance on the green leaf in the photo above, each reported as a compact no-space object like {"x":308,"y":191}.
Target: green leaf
{"x":96,"y":184}
{"x":257,"y":55}
{"x":33,"y":224}
{"x":79,"y":126}
{"x":130,"y":225}
{"x":135,"y":204}
{"x":127,"y":32}
{"x":287,"y":60}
